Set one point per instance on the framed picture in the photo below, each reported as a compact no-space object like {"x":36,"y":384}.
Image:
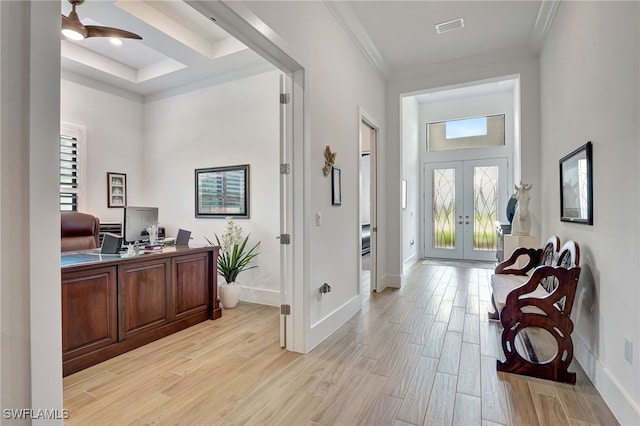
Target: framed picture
{"x":336,"y":186}
{"x":116,"y":189}
{"x":404,"y":194}
{"x":222,"y":192}
{"x":576,"y":186}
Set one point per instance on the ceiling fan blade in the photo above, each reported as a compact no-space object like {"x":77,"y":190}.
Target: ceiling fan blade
{"x":71,"y":23}
{"x":97,"y":31}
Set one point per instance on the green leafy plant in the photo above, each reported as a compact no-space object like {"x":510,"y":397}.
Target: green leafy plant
{"x":234,"y":257}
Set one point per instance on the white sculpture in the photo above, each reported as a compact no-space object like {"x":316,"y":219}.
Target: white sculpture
{"x":522,"y":220}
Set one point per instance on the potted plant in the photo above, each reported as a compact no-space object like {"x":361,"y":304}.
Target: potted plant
{"x":234,"y":257}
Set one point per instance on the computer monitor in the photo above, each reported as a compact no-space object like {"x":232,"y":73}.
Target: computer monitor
{"x":136,"y":222}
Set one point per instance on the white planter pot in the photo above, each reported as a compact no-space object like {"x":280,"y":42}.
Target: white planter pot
{"x":230,"y":294}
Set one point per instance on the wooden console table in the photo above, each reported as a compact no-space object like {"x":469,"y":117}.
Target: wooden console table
{"x":112,"y":304}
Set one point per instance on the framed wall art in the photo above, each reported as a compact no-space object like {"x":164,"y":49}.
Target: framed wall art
{"x":576,"y":186}
{"x":336,"y":186}
{"x":222,"y":192}
{"x":116,"y":189}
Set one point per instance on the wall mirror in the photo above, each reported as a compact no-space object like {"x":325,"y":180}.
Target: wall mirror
{"x":576,"y":186}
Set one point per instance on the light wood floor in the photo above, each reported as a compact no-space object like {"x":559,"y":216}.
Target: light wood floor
{"x":424,"y":354}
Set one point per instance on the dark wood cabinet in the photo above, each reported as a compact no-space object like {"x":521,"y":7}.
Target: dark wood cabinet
{"x":144,"y":295}
{"x":190,"y":296}
{"x":111,"y":305}
{"x":89,"y":311}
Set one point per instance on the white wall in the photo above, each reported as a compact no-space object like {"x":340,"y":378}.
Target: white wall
{"x":338,"y":80}
{"x":411,"y":173}
{"x":114,"y":143}
{"x":223,"y":125}
{"x":589,"y":71}
{"x":460,"y":72}
{"x":30,"y":339}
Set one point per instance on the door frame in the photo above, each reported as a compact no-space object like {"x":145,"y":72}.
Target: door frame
{"x":375,"y":284}
{"x":244,"y":25}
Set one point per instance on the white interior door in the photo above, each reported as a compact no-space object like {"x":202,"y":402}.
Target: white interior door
{"x":463,"y":199}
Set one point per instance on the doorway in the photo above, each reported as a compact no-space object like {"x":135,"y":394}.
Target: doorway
{"x":462,"y":201}
{"x":368,"y":147}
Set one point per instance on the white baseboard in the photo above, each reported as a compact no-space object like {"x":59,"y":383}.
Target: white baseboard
{"x":410,"y":260}
{"x":326,"y":326}
{"x":260,"y":296}
{"x":393,"y":281}
{"x":619,"y":401}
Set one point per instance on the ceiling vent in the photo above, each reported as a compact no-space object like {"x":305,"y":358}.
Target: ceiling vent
{"x":444,"y":27}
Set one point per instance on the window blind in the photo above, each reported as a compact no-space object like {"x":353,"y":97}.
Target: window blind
{"x":68,"y":173}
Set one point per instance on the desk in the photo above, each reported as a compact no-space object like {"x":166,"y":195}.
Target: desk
{"x":112,"y":304}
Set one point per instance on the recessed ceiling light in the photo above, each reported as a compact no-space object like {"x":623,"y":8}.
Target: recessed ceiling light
{"x":116,"y":41}
{"x":454,"y":24}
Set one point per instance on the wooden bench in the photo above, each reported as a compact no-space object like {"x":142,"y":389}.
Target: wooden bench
{"x":507,"y":277}
{"x":536,"y":338}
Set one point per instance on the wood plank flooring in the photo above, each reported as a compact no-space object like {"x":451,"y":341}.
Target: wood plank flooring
{"x":421,"y":355}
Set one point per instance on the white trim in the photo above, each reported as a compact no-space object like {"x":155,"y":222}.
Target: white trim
{"x":347,"y":18}
{"x":626,"y":411}
{"x":244,"y":25}
{"x":43,"y":258}
{"x":393,"y":281}
{"x":546,"y":13}
{"x":260,"y":296}
{"x":334,"y":320}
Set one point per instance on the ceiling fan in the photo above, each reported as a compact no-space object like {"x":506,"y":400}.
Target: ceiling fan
{"x":74,"y":29}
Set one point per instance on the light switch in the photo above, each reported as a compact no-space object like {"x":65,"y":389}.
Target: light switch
{"x":318,"y":218}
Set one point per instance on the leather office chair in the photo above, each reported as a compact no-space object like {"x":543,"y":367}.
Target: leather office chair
{"x":79,"y":231}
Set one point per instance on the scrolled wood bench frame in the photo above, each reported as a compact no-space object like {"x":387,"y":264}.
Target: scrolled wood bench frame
{"x":541,"y":256}
{"x":550,"y":312}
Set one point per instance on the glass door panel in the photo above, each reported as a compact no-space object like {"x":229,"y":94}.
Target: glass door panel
{"x":444,"y":200}
{"x":444,"y":208}
{"x":486,"y":195}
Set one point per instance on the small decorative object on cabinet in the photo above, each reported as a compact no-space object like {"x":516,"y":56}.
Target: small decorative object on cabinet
{"x":521,"y":224}
{"x":234,"y":258}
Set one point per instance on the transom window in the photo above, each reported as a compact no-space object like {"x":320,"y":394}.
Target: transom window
{"x":476,"y":132}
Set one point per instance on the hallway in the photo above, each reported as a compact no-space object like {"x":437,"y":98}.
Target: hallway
{"x":424,"y":354}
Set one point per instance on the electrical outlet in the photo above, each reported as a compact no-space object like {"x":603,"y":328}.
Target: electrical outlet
{"x":628,"y":350}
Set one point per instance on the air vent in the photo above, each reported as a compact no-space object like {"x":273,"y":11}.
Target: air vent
{"x":455,"y":24}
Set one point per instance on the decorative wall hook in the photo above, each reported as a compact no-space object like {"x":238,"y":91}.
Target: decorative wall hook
{"x":329,"y":159}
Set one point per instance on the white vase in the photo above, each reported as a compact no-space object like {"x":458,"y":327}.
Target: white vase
{"x":230,"y":294}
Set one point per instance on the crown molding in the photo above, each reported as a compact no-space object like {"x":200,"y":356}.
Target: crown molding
{"x":546,"y":13}
{"x":350,"y":22}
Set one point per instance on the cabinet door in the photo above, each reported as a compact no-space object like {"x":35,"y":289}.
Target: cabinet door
{"x":89,"y":311}
{"x":144,"y":298}
{"x":191,"y":284}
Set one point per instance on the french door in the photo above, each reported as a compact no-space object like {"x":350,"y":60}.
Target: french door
{"x":463,"y":199}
